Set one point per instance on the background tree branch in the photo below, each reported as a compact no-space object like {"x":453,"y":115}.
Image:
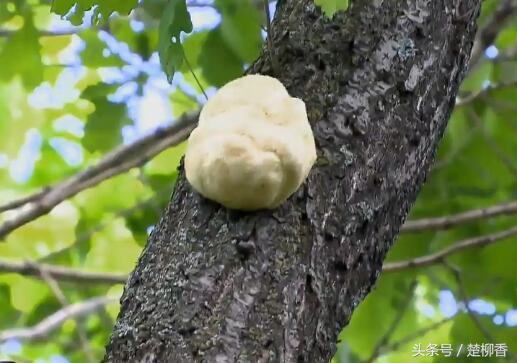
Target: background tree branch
{"x":30,"y":268}
{"x":114,"y":163}
{"x":451,"y":221}
{"x":54,"y":321}
{"x":439,"y":256}
{"x":488,"y":34}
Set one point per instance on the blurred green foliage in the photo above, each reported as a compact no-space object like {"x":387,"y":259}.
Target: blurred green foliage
{"x":83,"y":102}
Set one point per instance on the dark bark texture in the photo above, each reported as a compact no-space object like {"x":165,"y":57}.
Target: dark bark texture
{"x":214,"y":285}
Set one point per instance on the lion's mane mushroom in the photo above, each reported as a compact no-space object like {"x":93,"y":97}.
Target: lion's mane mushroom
{"x":253,"y":146}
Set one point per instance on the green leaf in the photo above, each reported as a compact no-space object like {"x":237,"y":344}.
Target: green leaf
{"x":476,"y":79}
{"x":98,"y":91}
{"x":102,"y":131}
{"x":5,"y":12}
{"x":218,"y":61}
{"x":74,"y":9}
{"x":192,"y":48}
{"x":108,"y":7}
{"x":62,"y":7}
{"x":174,"y":20}
{"x":380,"y":306}
{"x":182,"y":103}
{"x":167,"y":161}
{"x":106,"y":247}
{"x":21,"y":56}
{"x":506,"y":38}
{"x":50,"y":167}
{"x":93,"y":55}
{"x":330,"y":7}
{"x":240,"y":28}
{"x":52,"y":46}
{"x":9,"y":314}
{"x":142,"y":43}
{"x":103,"y":126}
{"x":465,"y":331}
{"x":26,"y":293}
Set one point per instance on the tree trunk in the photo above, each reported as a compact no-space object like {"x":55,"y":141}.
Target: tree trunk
{"x":214,"y":285}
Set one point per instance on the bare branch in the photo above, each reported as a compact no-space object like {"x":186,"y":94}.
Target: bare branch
{"x":22,"y":201}
{"x":377,"y":350}
{"x":43,"y":33}
{"x":438,"y":257}
{"x":489,"y":32}
{"x":114,"y":163}
{"x":60,"y":296}
{"x":54,"y":321}
{"x":124,"y":213}
{"x":465,"y":299}
{"x":484,"y":92}
{"x":53,"y":285}
{"x":410,"y":337}
{"x":61,"y":273}
{"x":454,"y":220}
{"x":456,"y":151}
{"x":500,"y":153}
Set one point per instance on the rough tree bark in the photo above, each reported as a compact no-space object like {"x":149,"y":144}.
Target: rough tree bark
{"x":214,"y":285}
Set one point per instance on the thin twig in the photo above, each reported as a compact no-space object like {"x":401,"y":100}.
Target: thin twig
{"x":393,"y":326}
{"x":456,"y":151}
{"x":195,"y":77}
{"x":493,"y":27}
{"x":465,"y":299}
{"x":61,"y":273}
{"x":57,"y":319}
{"x":42,"y":33}
{"x":438,"y":257}
{"x":124,"y":213}
{"x":505,"y":159}
{"x":114,"y":163}
{"x":454,"y":220}
{"x":410,"y":337}
{"x":484,"y":92}
{"x":22,"y":201}
{"x":60,"y":296}
{"x":500,"y":105}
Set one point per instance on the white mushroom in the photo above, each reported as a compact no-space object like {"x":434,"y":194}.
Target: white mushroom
{"x":253,"y":146}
